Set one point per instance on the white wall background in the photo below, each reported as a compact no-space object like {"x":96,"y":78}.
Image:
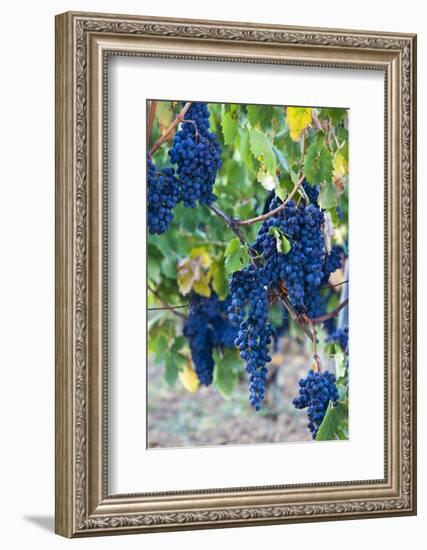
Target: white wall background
{"x":27,"y":273}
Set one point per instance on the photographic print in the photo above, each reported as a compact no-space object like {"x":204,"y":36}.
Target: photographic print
{"x":247,"y":270}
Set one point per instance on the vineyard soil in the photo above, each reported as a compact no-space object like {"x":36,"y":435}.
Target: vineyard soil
{"x":177,"y":418}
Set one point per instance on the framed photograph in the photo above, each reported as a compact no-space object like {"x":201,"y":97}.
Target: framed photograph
{"x":235,"y":274}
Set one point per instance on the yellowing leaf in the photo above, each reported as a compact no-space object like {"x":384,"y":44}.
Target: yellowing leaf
{"x":340,"y":164}
{"x":185,"y":278}
{"x":202,"y":256}
{"x":202,"y":286}
{"x":189,"y":379}
{"x":194,"y":272}
{"x":298,"y":119}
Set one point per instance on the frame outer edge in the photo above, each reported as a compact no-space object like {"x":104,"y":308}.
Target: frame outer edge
{"x":74,"y":514}
{"x":64,"y":276}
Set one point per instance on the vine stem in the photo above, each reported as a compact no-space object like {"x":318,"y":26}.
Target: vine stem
{"x":314,"y":340}
{"x":151,"y":113}
{"x":334,"y":286}
{"x":167,"y":306}
{"x":331,"y":314}
{"x":233,"y":224}
{"x":275,"y":211}
{"x":179,"y":118}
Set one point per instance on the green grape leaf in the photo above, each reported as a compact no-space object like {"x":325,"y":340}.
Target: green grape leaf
{"x":334,"y":216}
{"x":168,"y":267}
{"x":336,"y":420}
{"x":291,"y":150}
{"x":153,"y":266}
{"x":318,"y":163}
{"x":229,"y":129}
{"x":262,"y":150}
{"x":236,"y":256}
{"x":335,"y":115}
{"x":245,"y":152}
{"x":232,"y":247}
{"x":281,"y":158}
{"x":161,"y":349}
{"x":284,"y":186}
{"x":244,"y":256}
{"x":282,"y":243}
{"x":171,"y":370}
{"x":225,"y":375}
{"x":260,"y":114}
{"x":219,"y":280}
{"x":233,"y":263}
{"x":328,"y":197}
{"x":179,"y":343}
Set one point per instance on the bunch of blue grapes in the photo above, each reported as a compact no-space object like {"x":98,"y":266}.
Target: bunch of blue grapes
{"x":249,"y":309}
{"x":197,"y":154}
{"x":312,"y":192}
{"x":315,"y":393}
{"x":340,"y":336}
{"x":304,"y":269}
{"x":163,"y":195}
{"x":332,"y":261}
{"x":207,"y":327}
{"x":300,"y":273}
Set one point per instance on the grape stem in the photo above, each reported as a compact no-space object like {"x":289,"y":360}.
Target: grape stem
{"x":233,"y":224}
{"x":334,"y":286}
{"x":167,"y":306}
{"x":314,"y":340}
{"x":179,"y":118}
{"x":275,"y":211}
{"x":288,"y":306}
{"x":151,"y":113}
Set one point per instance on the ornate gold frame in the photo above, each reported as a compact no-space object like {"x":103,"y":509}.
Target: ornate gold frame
{"x":83,"y":43}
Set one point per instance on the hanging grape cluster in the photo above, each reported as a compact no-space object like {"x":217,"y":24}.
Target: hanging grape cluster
{"x":299,"y":274}
{"x":207,"y":327}
{"x":163,"y":195}
{"x":249,"y":309}
{"x":197,"y":155}
{"x":340,"y":336}
{"x":316,"y":391}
